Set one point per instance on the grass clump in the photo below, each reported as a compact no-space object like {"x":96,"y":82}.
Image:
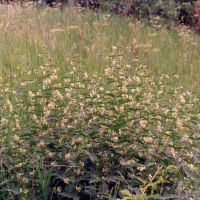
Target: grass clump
{"x":123,"y":134}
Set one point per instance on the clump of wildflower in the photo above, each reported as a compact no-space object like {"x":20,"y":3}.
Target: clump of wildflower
{"x":143,"y":123}
{"x":57,"y":95}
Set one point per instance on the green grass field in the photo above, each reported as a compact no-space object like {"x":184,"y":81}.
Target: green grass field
{"x":87,"y":37}
{"x":97,"y":106}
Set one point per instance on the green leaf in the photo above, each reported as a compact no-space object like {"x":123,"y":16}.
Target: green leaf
{"x":125,"y":193}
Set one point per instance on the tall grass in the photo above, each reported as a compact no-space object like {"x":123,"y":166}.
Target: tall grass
{"x":87,"y":37}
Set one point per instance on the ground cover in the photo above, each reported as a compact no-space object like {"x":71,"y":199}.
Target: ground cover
{"x":95,"y":106}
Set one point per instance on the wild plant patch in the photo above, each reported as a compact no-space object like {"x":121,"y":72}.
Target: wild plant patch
{"x":124,"y":134}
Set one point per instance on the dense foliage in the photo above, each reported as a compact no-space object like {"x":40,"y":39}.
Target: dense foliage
{"x":124,"y":134}
{"x":183,"y":11}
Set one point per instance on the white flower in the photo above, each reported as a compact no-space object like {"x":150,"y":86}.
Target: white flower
{"x":148,"y":139}
{"x":16,"y":138}
{"x":51,"y":105}
{"x":67,"y":156}
{"x":54,"y":77}
{"x":4,"y":121}
{"x":57,"y":95}
{"x":181,"y":99}
{"x":30,"y":95}
{"x":179,"y":124}
{"x":34,"y":117}
{"x":101,"y":89}
{"x":46,"y":83}
{"x":115,"y":139}
{"x":108,"y":71}
{"x":68,"y":92}
{"x":114,"y":48}
{"x":143,"y":123}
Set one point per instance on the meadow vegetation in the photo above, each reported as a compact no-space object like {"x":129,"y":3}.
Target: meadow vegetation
{"x":97,"y":106}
